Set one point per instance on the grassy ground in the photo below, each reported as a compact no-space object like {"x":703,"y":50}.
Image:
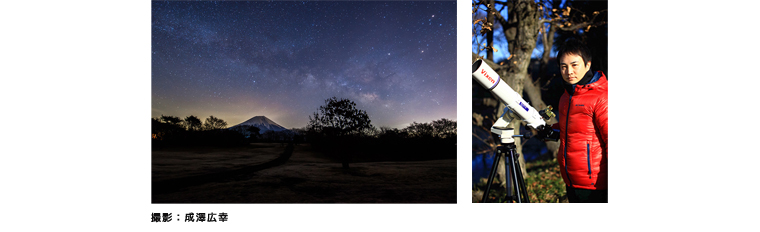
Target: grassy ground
{"x":544,"y":184}
{"x":308,"y":176}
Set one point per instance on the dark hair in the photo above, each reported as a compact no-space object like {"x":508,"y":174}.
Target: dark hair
{"x":574,"y":46}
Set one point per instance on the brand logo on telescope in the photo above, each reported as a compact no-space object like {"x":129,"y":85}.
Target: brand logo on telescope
{"x":483,"y":71}
{"x":524,"y":107}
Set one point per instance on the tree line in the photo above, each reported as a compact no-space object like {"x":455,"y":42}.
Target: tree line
{"x":174,"y":131}
{"x":340,"y":117}
{"x":346,"y":133}
{"x":339,"y":129}
{"x":192,"y":122}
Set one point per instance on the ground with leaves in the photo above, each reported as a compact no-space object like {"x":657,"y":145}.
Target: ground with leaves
{"x":544,"y":184}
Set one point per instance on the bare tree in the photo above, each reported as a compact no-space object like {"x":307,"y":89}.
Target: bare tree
{"x":171,"y":120}
{"x":444,"y":128}
{"x":337,"y":120}
{"x":214,"y":123}
{"x":339,"y":117}
{"x":193,"y":123}
{"x":418,"y":130}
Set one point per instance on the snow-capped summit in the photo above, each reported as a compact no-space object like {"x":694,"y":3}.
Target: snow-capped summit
{"x":262,"y":122}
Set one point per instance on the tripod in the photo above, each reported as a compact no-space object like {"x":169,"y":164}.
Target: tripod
{"x":519,"y":194}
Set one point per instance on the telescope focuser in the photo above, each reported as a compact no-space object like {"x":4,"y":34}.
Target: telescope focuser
{"x":547,"y":113}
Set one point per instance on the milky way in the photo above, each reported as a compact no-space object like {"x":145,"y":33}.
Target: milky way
{"x":236,"y":60}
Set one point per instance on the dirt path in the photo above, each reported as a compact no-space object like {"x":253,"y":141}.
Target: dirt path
{"x":171,"y":185}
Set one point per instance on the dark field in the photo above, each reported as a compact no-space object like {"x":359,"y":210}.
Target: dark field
{"x":264,"y":173}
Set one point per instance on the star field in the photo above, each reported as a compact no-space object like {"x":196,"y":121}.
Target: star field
{"x":236,"y":60}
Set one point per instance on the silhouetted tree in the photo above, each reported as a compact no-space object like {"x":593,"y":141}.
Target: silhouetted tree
{"x":339,"y":117}
{"x":339,"y":120}
{"x":371,"y":132}
{"x":193,"y":123}
{"x":253,"y":132}
{"x":420,"y":130}
{"x":171,"y":120}
{"x":392,"y":135}
{"x":444,"y":128}
{"x":213,"y":123}
{"x":299,"y":135}
{"x":269,"y":136}
{"x":163,"y":132}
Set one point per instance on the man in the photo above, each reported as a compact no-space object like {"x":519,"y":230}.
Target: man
{"x":582,"y":125}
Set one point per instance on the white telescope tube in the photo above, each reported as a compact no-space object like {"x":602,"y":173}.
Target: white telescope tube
{"x":488,"y":78}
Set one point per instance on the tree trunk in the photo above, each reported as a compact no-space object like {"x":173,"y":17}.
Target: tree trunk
{"x":534,"y":94}
{"x":548,"y":41}
{"x":524,"y":15}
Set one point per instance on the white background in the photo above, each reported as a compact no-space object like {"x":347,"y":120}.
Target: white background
{"x":75,"y":94}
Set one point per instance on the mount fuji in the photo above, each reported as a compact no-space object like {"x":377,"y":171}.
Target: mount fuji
{"x":262,"y":122}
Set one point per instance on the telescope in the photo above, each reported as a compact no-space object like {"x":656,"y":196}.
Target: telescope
{"x":516,"y":106}
{"x":488,"y":78}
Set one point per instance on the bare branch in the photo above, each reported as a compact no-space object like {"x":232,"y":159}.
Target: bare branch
{"x":579,"y":25}
{"x":502,"y":20}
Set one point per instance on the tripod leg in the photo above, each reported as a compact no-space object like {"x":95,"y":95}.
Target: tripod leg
{"x":490,"y":177}
{"x":521,"y":182}
{"x":515,"y":171}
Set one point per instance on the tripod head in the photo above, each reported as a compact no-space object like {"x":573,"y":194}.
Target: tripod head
{"x":506,"y":133}
{"x":502,"y":129}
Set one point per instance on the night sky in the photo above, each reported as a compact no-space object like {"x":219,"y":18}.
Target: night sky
{"x":236,"y":60}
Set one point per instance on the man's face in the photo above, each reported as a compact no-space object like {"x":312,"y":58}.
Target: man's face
{"x":573,"y":68}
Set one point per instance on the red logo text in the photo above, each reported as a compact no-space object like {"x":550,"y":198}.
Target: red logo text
{"x":483,"y":71}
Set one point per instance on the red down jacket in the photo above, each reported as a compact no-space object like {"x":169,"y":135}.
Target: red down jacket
{"x":582,"y":118}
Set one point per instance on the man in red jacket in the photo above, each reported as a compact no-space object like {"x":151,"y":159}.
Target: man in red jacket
{"x":582,"y":125}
